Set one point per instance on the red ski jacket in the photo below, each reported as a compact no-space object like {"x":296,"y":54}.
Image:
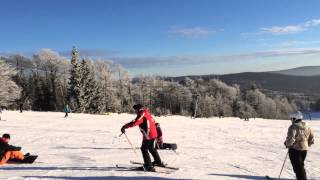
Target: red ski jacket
{"x":146,"y":124}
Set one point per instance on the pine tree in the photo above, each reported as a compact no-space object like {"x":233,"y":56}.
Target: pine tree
{"x":74,"y":80}
{"x":88,"y":91}
{"x":105,"y":87}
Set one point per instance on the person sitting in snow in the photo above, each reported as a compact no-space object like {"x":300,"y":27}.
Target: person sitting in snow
{"x":9,"y":152}
{"x":299,"y":138}
{"x":148,"y":129}
{"x":160,"y":144}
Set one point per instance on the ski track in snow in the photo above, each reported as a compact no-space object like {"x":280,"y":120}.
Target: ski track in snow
{"x":85,"y":146}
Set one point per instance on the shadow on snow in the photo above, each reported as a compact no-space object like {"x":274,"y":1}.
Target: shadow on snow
{"x":100,"y":177}
{"x":85,"y":177}
{"x":246,"y":176}
{"x":95,"y":148}
{"x":61,"y":168}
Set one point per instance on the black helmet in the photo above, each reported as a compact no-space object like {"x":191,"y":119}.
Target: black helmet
{"x":7,"y":136}
{"x":137,"y":106}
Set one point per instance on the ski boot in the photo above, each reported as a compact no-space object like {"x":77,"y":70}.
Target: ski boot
{"x":159,"y":164}
{"x":147,"y":168}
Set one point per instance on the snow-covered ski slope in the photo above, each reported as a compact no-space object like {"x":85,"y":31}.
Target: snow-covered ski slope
{"x":86,"y":147}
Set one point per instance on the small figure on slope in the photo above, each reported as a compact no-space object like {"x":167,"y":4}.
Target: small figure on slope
{"x":21,"y":107}
{"x":67,"y":110}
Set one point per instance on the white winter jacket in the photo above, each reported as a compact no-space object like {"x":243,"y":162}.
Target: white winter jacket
{"x":299,"y":136}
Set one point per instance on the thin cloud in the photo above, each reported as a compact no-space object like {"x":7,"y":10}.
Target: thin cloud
{"x":278,"y":30}
{"x":298,"y":43}
{"x":290,"y":43}
{"x":185,"y":60}
{"x":290,"y":29}
{"x":312,"y":23}
{"x":193,"y":32}
{"x":94,"y":53}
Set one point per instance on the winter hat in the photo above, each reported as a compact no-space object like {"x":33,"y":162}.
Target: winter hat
{"x":297,"y":115}
{"x":137,"y":106}
{"x":7,"y":136}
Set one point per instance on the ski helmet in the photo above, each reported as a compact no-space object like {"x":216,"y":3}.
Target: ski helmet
{"x":137,"y":106}
{"x":7,"y":136}
{"x":297,"y":115}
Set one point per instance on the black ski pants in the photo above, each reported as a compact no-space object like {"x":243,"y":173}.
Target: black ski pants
{"x":149,"y":145}
{"x":297,"y":160}
{"x":172,"y":146}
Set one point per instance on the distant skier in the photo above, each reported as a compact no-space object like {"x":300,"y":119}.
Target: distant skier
{"x":21,"y":107}
{"x":12,"y":153}
{"x":160,"y":144}
{"x":67,"y":110}
{"x":148,"y":129}
{"x":299,"y":138}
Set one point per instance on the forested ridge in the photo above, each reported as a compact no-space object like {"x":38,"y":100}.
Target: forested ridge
{"x":48,"y":81}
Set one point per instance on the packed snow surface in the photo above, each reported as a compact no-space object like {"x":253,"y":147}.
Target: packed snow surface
{"x":85,"y":146}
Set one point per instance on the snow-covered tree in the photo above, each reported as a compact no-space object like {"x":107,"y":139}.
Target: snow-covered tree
{"x":50,"y":64}
{"x":9,"y":91}
{"x":103,"y":74}
{"x":74,"y":80}
{"x":123,"y":85}
{"x":89,"y":98}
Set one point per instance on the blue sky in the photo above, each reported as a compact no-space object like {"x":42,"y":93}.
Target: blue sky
{"x":169,"y":37}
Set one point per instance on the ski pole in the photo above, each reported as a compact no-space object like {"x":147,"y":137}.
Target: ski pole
{"x":130,"y":144}
{"x":135,"y":152}
{"x":159,"y":150}
{"x":283,"y":164}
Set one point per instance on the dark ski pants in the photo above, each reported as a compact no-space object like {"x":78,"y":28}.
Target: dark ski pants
{"x":172,"y":146}
{"x":66,"y":115}
{"x":297,"y":160}
{"x":149,"y":145}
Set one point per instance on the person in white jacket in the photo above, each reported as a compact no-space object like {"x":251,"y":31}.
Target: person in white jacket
{"x":299,"y":138}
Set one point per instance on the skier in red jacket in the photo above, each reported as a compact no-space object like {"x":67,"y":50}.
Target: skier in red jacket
{"x":148,"y":129}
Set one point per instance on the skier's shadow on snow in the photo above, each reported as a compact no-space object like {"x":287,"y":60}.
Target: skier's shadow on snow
{"x":49,"y":168}
{"x":113,"y":169}
{"x":101,"y":177}
{"x":95,"y":148}
{"x":246,"y":176}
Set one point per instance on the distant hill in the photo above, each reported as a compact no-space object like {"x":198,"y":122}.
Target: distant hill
{"x":301,"y":71}
{"x":309,"y":85}
{"x":276,"y":82}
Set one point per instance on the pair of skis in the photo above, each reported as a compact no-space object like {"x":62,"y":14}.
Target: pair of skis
{"x":159,"y":169}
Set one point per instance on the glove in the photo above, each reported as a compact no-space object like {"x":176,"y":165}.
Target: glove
{"x":123,"y":129}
